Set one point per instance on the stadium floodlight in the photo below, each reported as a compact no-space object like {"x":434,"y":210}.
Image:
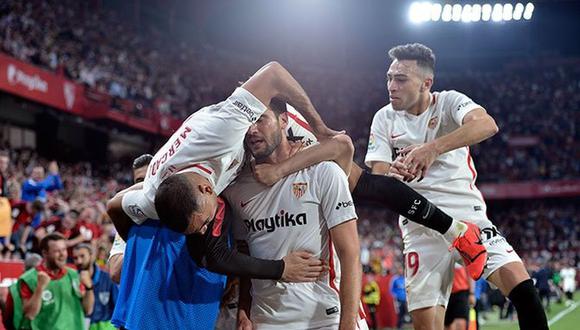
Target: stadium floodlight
{"x":475,"y":13}
{"x":446,"y":15}
{"x":466,"y":14}
{"x":420,"y":12}
{"x":508,"y":10}
{"x":486,"y":12}
{"x":518,"y":11}
{"x":456,"y":16}
{"x":497,"y":13}
{"x":425,"y":11}
{"x":435,"y":12}
{"x":528,"y":11}
{"x":414,"y":12}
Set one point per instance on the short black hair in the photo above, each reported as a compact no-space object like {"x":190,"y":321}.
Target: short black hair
{"x":50,"y":237}
{"x":175,"y":202}
{"x":142,"y":160}
{"x":422,"y":54}
{"x":278,"y":106}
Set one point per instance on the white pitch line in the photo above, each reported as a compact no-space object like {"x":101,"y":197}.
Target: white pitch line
{"x":562,"y":314}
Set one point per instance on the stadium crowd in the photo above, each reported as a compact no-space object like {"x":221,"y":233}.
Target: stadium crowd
{"x":114,"y":58}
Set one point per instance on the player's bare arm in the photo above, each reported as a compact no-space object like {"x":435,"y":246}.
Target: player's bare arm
{"x":346,"y":243}
{"x":339,"y":149}
{"x":477,"y":126}
{"x":115,"y":267}
{"x":273,"y":80}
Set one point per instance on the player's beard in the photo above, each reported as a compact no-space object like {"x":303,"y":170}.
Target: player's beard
{"x":276,"y":138}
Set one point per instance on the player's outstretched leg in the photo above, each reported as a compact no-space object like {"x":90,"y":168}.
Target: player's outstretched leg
{"x":397,"y":196}
{"x":514,"y":282}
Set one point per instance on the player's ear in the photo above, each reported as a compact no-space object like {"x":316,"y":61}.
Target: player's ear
{"x":205,"y":188}
{"x":283,"y":120}
{"x":427,"y":84}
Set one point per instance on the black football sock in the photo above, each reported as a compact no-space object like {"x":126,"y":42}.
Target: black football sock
{"x":398,"y":197}
{"x":531,"y":314}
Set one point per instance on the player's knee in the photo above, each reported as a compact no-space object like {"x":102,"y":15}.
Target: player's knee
{"x":524,"y":289}
{"x":175,"y":202}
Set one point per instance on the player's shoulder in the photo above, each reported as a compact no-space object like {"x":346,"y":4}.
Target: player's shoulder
{"x":243,"y":186}
{"x":385,"y":113}
{"x":386,"y":110}
{"x":447,"y":95}
{"x":326,"y":169}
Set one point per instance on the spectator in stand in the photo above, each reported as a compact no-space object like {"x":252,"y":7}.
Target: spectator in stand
{"x":64,"y":226}
{"x":37,"y":185}
{"x":87,"y":225}
{"x":52,"y":296}
{"x":28,"y":218}
{"x":140,"y":165}
{"x":6,"y":221}
{"x":105,"y":291}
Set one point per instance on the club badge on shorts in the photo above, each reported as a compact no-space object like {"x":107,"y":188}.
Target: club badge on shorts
{"x":299,"y":189}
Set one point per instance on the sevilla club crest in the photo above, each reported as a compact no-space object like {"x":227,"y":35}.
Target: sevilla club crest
{"x":299,"y":189}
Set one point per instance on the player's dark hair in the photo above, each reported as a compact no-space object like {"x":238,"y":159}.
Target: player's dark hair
{"x":175,"y":202}
{"x":4,"y":153}
{"x":418,"y":52}
{"x":50,"y":237}
{"x":142,"y":160}
{"x":278,"y":106}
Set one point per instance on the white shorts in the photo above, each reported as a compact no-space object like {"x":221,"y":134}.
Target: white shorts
{"x":429,"y":263}
{"x":361,"y":325}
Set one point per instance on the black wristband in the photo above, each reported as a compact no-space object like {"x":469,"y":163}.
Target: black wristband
{"x":89,"y":289}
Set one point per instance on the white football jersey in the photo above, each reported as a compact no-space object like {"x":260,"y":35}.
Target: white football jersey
{"x":298,"y":128}
{"x":450,"y":181}
{"x":294,"y":214}
{"x":209,"y":142}
{"x":118,"y":246}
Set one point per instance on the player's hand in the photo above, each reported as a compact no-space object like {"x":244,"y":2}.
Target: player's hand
{"x":295,"y":146}
{"x":302,"y":266}
{"x":398,"y":170}
{"x":42,"y":280}
{"x":322,"y":132}
{"x":267,"y":174}
{"x":419,"y":158}
{"x":86,"y":279}
{"x":244,"y":323}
